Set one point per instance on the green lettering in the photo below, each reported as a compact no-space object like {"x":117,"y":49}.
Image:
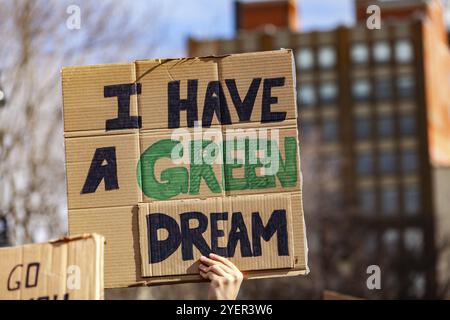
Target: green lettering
{"x":231,"y":183}
{"x":255,"y":181}
{"x":287,"y":172}
{"x":176,"y":179}
{"x":205,"y":170}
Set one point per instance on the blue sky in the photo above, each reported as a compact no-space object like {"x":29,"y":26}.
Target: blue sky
{"x":215,"y":18}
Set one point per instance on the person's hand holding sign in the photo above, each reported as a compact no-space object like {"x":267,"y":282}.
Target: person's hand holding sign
{"x":225,"y":277}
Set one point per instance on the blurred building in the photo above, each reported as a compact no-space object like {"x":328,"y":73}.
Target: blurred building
{"x":3,"y":232}
{"x":379,"y":100}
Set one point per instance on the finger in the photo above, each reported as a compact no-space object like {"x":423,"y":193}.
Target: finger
{"x":203,"y":267}
{"x":225,"y":261}
{"x":204,"y":274}
{"x":209,"y":276}
{"x":219,"y":270}
{"x":209,"y":262}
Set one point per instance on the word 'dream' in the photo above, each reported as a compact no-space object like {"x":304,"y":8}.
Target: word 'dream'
{"x":188,"y":237}
{"x":227,"y":227}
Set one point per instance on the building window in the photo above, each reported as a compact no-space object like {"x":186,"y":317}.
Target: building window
{"x":387,"y":162}
{"x":282,"y":40}
{"x":390,"y":240}
{"x":408,"y":125}
{"x":367,"y":201}
{"x":381,"y":52}
{"x":249,"y":42}
{"x":327,"y":57}
{"x":359,"y":53}
{"x":410,"y":161}
{"x":361,"y":89}
{"x":417,"y":284}
{"x":363,"y":128}
{"x":2,"y":225}
{"x":411,"y":200}
{"x":406,"y":87}
{"x":328,"y":92}
{"x":307,"y":95}
{"x":413,"y":240}
{"x":330,"y":130}
{"x":389,"y":201}
{"x":3,"y":232}
{"x":383,"y":88}
{"x":404,"y":51}
{"x":386,"y":126}
{"x":306,"y":129}
{"x":364,"y":163}
{"x":305,"y":58}
{"x":370,"y":243}
{"x":332,"y":164}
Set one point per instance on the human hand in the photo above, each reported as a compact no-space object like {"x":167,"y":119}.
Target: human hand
{"x":225,"y":277}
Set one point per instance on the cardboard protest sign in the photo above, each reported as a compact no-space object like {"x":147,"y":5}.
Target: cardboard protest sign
{"x":172,"y":159}
{"x":65,"y":269}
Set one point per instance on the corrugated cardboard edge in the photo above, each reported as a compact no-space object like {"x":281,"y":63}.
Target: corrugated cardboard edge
{"x":65,"y":239}
{"x":168,"y":280}
{"x":162,"y":61}
{"x":85,"y":236}
{"x":305,"y":240}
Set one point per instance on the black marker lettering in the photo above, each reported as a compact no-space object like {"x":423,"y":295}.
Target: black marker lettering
{"x":123,"y":93}
{"x":276,"y":224}
{"x":176,"y":104}
{"x":268,"y":100}
{"x":215,"y":103}
{"x":103,"y":166}
{"x":239,"y":233}
{"x":244,"y":108}
{"x":159,"y":250}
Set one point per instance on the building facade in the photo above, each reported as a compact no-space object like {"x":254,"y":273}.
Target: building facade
{"x":377,"y":101}
{"x":3,"y":232}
